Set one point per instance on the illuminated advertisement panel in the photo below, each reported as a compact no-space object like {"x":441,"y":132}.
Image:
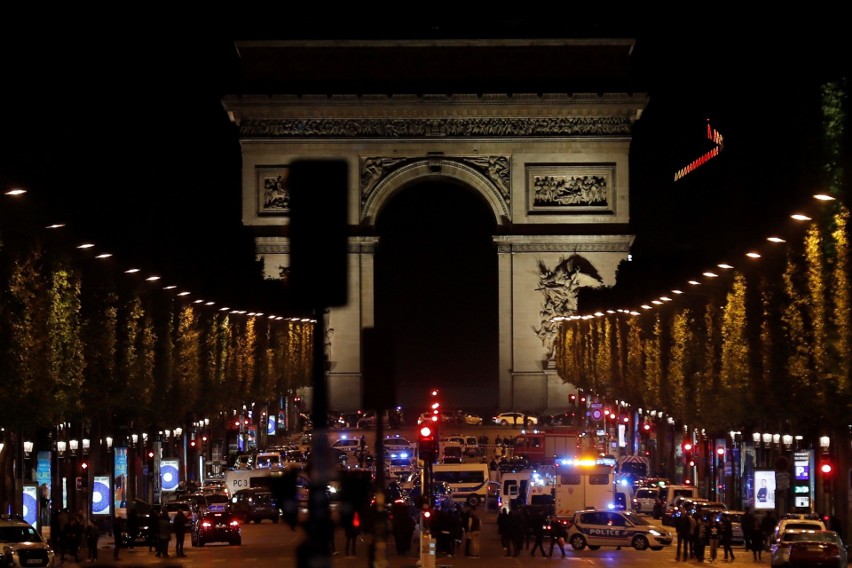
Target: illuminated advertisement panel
{"x":101,"y":495}
{"x":169,"y":474}
{"x":30,"y":495}
{"x":120,"y":488}
{"x":764,"y":489}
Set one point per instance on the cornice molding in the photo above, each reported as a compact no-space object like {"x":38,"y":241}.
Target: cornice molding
{"x":426,"y":128}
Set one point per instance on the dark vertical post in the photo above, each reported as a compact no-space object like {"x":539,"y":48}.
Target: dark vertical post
{"x":318,"y":280}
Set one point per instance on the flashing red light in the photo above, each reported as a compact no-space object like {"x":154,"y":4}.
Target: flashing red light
{"x":426,"y":431}
{"x":356,"y":520}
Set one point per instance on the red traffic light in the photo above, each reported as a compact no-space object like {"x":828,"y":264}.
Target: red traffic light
{"x":687,"y":446}
{"x":825,"y":468}
{"x":720,"y":451}
{"x":85,"y":465}
{"x":426,"y":432}
{"x":646,"y":426}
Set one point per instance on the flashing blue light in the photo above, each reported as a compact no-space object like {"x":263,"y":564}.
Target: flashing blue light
{"x":344,"y":436}
{"x":403,"y":455}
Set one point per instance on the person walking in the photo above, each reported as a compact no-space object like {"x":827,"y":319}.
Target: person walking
{"x":539,"y":533}
{"x":351,"y":530}
{"x":518,"y":529}
{"x":756,"y":539}
{"x":557,"y":535}
{"x":117,"y":528}
{"x":683,"y":529}
{"x":132,"y":524}
{"x":747,"y":523}
{"x":728,"y":538}
{"x":714,"y":535}
{"x":474,"y":526}
{"x":164,"y":534}
{"x":699,"y":538}
{"x":92,"y":535}
{"x":71,"y":537}
{"x":504,"y":530}
{"x":180,"y":523}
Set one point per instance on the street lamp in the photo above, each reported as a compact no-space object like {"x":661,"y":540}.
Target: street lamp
{"x":86,"y":445}
{"x":61,"y":447}
{"x":824,"y":443}
{"x":73,"y":445}
{"x":28,"y":449}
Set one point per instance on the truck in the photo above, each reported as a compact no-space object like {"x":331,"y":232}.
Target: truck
{"x":545,"y":447}
{"x":580,"y":486}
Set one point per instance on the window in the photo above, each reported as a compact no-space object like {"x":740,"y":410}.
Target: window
{"x":599,"y":479}
{"x":569,"y":479}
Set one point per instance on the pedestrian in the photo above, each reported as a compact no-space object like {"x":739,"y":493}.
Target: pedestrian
{"x":117,"y":529}
{"x":747,"y":524}
{"x":403,"y":528}
{"x":699,"y":538}
{"x":557,"y":536}
{"x":153,"y":535}
{"x":504,"y":530}
{"x":474,"y":526}
{"x":767,"y":526}
{"x":518,"y":530}
{"x":92,"y":534}
{"x":351,"y":529}
{"x":71,"y":537}
{"x":756,"y":539}
{"x":714,"y":535}
{"x":657,"y":511}
{"x":683,"y":529}
{"x":728,"y":538}
{"x":164,"y":534}
{"x":539,"y":531}
{"x":132,"y":525}
{"x":180,"y":523}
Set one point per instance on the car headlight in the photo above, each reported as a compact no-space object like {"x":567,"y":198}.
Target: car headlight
{"x":655,"y":532}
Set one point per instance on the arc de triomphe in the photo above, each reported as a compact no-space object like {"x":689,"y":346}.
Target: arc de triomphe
{"x":552,"y":168}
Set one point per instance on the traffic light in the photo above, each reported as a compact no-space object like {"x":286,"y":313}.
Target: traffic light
{"x":826,"y":468}
{"x":572,"y":399}
{"x":84,"y":465}
{"x":427,"y":443}
{"x":646,"y":427}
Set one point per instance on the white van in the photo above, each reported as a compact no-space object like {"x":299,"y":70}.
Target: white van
{"x":468,"y":481}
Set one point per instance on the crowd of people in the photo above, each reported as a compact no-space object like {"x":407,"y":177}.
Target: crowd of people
{"x":700,"y":539}
{"x":530,"y":529}
{"x":72,"y":533}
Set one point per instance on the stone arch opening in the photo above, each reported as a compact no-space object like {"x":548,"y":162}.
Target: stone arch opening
{"x":436,"y":278}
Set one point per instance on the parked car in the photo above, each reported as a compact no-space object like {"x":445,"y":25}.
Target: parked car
{"x":22,"y":544}
{"x":468,"y":418}
{"x":645,"y":498}
{"x":216,"y":526}
{"x":514,"y":419}
{"x":736,"y":518}
{"x":797,"y":523}
{"x":615,"y":528}
{"x":806,"y":548}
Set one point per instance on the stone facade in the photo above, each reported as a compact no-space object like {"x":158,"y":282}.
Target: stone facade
{"x":550,"y":167}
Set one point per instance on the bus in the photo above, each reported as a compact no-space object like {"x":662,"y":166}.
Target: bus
{"x":468,"y":481}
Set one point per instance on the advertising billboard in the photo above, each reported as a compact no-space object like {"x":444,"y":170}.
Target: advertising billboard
{"x":764,"y":489}
{"x":101,"y":495}
{"x":169,"y":474}
{"x":120,"y":488}
{"x":30,"y":501}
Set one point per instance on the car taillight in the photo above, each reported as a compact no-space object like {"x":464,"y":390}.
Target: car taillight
{"x":235,"y":523}
{"x":206,"y":524}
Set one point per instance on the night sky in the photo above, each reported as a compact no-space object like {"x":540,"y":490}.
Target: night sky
{"x":121,"y":135}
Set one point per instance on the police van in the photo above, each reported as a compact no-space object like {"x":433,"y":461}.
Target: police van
{"x":468,"y":482}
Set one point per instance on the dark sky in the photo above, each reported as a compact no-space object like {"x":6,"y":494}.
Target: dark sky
{"x":121,"y":134}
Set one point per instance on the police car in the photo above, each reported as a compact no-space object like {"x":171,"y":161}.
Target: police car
{"x":594,"y":528}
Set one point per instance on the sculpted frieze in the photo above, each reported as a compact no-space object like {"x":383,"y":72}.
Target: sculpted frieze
{"x":484,"y":127}
{"x":376,"y":168}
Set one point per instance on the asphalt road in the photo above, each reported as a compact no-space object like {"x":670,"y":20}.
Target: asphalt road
{"x":268,"y":544}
